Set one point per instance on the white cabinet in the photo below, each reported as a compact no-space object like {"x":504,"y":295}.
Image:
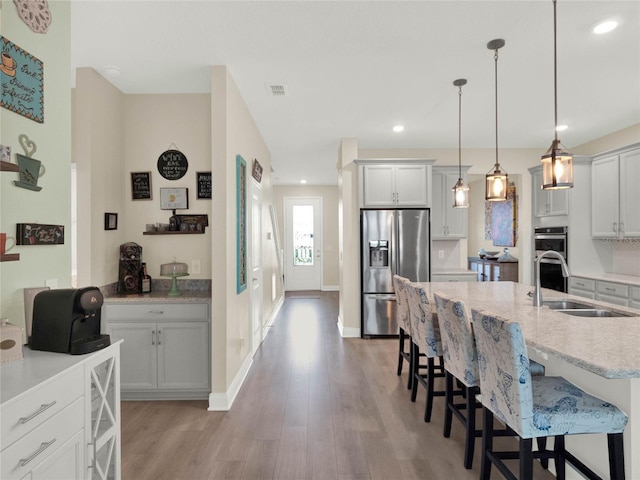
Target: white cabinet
{"x":395,"y":185}
{"x":60,"y":416}
{"x":615,"y":195}
{"x":611,"y":292}
{"x":583,"y":287}
{"x":547,"y":203}
{"x":605,"y":291}
{"x":634,"y":299}
{"x":447,"y":222}
{"x":166,"y":349}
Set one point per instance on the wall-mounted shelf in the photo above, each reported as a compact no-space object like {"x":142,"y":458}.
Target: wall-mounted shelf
{"x":8,"y":167}
{"x":173,"y":233}
{"x":9,"y":257}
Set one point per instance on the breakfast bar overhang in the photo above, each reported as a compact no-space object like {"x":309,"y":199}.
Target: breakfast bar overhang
{"x":600,"y":355}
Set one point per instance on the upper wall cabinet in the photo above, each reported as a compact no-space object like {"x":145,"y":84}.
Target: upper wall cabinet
{"x":547,"y":203}
{"x":615,"y":194}
{"x":394,"y":183}
{"x":447,"y":223}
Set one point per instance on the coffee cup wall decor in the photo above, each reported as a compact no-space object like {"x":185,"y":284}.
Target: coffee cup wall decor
{"x":30,"y":171}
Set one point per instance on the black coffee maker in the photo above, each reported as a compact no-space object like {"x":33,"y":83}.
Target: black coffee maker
{"x":68,"y":321}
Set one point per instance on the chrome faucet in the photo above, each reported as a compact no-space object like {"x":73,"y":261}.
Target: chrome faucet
{"x":537,"y":297}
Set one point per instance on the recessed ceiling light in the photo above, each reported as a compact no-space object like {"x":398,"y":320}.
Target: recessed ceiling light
{"x":303,"y":181}
{"x":398,"y":128}
{"x":605,"y":27}
{"x":112,"y":71}
{"x":561,"y":128}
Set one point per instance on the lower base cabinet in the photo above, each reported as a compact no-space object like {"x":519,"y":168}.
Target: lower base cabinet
{"x":162,"y":357}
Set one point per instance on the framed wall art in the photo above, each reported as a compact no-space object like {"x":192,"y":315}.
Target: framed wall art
{"x":22,"y":78}
{"x":174,"y":198}
{"x":141,"y":186}
{"x":172,"y":164}
{"x":203,"y":180}
{"x":241,"y":221}
{"x":257,"y":170}
{"x":110,"y":221}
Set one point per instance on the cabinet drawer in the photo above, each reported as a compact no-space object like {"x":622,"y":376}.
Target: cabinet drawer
{"x":583,"y":293}
{"x":603,"y":297}
{"x":615,"y":289}
{"x":582,"y":283}
{"x":156,"y":311}
{"x":32,"y":409}
{"x":635,"y":293}
{"x":28,"y":452}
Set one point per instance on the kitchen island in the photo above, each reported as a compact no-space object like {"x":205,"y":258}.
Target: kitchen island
{"x":600,"y":355}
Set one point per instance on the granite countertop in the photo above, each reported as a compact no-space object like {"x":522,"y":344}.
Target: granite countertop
{"x":611,"y":277}
{"x":606,"y":346}
{"x":188,"y":296}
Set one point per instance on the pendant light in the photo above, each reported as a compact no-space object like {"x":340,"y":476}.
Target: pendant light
{"x":460,"y":189}
{"x":496,"y":180}
{"x":557,"y":162}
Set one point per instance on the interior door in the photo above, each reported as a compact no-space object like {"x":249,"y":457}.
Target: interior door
{"x":256,"y":265}
{"x":303,"y":243}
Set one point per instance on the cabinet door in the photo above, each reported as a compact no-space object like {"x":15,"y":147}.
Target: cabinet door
{"x":411,"y":186}
{"x":630,"y":193}
{"x":378,"y":186}
{"x":605,"y":175}
{"x":547,"y":203}
{"x":438,"y":208}
{"x":456,"y":218}
{"x":137,"y":354}
{"x":183,"y":355}
{"x":65,"y":463}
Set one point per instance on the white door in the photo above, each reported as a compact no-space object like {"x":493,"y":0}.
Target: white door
{"x":303,"y":243}
{"x":256,"y":265}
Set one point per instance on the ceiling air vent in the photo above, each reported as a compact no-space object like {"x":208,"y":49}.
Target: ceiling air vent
{"x":277,"y":90}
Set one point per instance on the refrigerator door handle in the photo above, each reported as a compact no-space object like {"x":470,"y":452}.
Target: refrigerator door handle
{"x":382,"y":296}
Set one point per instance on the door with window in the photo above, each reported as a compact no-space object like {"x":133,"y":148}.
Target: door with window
{"x":303,"y":243}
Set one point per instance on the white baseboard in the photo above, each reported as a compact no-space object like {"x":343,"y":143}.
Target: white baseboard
{"x":330,"y":288}
{"x":347,"y":332}
{"x":272,"y":317}
{"x":221,"y":402}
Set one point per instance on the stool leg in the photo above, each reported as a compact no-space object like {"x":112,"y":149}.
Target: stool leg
{"x":470,"y":427}
{"x":542,"y":445}
{"x":487,"y":443}
{"x":526,"y":459}
{"x":400,"y":349}
{"x":448,"y":395}
{"x":616,"y":456}
{"x":415,"y":362}
{"x":412,"y":359}
{"x":430,"y":386}
{"x":560,"y":459}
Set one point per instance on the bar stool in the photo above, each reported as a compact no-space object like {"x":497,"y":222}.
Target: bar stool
{"x":425,"y":336}
{"x":404,"y":326}
{"x":536,"y":407}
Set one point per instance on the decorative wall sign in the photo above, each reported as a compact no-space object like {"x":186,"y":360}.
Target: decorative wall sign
{"x":241,"y":212}
{"x":110,"y":221}
{"x":22,"y":79}
{"x":38,"y":234}
{"x":28,"y":145}
{"x":174,"y":198}
{"x":172,"y":164}
{"x":140,"y":185}
{"x":30,"y":171}
{"x":5,"y":153}
{"x":203,"y":180}
{"x":257,"y":170}
{"x":35,"y":14}
{"x":193,"y":223}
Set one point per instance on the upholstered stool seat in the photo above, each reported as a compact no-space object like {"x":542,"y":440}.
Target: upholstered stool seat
{"x":536,"y":407}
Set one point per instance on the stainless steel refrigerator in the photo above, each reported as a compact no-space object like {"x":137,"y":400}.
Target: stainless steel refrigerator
{"x":392,"y":241}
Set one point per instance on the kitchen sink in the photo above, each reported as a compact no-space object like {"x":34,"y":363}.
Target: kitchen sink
{"x":565,"y":304}
{"x":577,"y":309}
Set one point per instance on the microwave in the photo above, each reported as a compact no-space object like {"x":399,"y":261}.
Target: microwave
{"x":550,"y":238}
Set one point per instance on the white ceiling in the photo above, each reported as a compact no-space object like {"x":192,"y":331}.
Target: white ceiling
{"x":355,"y":69}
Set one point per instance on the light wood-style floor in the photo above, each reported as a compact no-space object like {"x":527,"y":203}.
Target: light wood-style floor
{"x":314,"y":406}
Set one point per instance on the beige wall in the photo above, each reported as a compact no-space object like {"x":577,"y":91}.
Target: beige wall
{"x":329,"y":195}
{"x":51,"y":205}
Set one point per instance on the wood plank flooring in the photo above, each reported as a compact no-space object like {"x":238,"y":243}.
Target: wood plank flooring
{"x":313,"y":406}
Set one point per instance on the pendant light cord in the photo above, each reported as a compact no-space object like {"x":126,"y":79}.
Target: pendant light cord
{"x":460,"y":132}
{"x":495,"y":57}
{"x":555,"y":77}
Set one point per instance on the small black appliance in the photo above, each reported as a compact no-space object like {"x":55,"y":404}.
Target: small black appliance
{"x":68,"y":321}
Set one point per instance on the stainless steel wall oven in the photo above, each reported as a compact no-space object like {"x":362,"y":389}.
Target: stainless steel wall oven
{"x":556,"y":239}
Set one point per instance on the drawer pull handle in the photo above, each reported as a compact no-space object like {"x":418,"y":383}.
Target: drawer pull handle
{"x":608,"y":289}
{"x":43,"y":407}
{"x":156,"y":312}
{"x":581,"y":284}
{"x":43,"y":447}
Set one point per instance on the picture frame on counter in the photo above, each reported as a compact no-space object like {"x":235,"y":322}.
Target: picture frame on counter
{"x":110,"y":221}
{"x":141,"y":186}
{"x":174,"y":198}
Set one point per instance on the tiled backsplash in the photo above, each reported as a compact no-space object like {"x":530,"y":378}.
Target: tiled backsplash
{"x":626,"y":257}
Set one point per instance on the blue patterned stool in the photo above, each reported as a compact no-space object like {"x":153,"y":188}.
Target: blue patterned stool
{"x":536,"y":407}
{"x":404,"y":326}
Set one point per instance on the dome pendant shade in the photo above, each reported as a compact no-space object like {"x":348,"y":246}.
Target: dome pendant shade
{"x":496,"y":185}
{"x":460,"y":194}
{"x":557,"y":168}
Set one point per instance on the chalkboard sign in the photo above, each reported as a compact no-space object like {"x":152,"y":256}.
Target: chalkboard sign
{"x":38,"y":234}
{"x":204,"y":184}
{"x":140,"y":185}
{"x":172,"y":164}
